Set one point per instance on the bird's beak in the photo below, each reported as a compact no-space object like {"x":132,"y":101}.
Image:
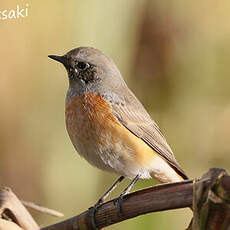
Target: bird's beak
{"x":61,"y":59}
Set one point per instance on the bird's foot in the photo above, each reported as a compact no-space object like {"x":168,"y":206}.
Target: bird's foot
{"x":118,"y":201}
{"x":92,"y":213}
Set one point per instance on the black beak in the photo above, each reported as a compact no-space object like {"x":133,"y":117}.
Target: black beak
{"x":61,"y":59}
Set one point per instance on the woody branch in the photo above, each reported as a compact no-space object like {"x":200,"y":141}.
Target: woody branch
{"x":209,"y":195}
{"x":157,"y":198}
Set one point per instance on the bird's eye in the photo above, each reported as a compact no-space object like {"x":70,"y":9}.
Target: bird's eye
{"x":82,"y":65}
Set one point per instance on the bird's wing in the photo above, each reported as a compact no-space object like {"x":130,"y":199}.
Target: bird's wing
{"x":132,"y":115}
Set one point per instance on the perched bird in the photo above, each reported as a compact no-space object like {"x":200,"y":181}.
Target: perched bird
{"x":109,"y":126}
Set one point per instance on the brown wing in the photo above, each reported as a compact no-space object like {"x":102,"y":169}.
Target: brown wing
{"x":131,"y":114}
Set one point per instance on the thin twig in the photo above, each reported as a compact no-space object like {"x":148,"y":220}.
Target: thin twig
{"x":42,"y":209}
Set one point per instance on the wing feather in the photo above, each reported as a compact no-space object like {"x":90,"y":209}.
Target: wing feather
{"x":132,"y":115}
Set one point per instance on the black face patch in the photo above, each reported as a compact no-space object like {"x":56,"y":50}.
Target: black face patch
{"x":82,"y":65}
{"x":83,"y":71}
{"x":88,"y":74}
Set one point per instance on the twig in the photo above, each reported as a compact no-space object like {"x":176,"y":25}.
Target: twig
{"x":42,"y":209}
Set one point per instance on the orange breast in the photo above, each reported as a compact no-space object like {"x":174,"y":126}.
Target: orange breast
{"x":93,"y":130}
{"x":87,"y":116}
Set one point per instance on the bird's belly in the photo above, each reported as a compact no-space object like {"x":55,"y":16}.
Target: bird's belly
{"x":106,"y":144}
{"x":100,"y":139}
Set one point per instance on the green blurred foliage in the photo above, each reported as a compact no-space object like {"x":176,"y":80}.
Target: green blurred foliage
{"x":173,"y":54}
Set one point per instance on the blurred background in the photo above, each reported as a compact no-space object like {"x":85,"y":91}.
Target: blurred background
{"x":173,"y":54}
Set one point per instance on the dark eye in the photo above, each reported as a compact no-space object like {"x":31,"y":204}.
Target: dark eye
{"x":82,"y":65}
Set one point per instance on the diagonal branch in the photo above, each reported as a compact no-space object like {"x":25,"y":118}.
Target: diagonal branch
{"x":210,"y":196}
{"x":157,"y":198}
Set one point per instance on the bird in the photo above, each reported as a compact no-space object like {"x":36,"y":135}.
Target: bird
{"x":109,"y":126}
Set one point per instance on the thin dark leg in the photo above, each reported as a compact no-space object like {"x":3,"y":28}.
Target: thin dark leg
{"x":126,"y":191}
{"x":107,"y":193}
{"x":102,"y":199}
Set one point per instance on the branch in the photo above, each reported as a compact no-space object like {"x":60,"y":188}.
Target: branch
{"x":4,"y":224}
{"x":12,"y":209}
{"x":210,"y":197}
{"x":157,"y":198}
{"x":211,"y":202}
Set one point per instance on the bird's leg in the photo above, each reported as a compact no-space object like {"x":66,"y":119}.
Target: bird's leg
{"x":93,"y":209}
{"x":126,"y":191}
{"x":108,"y":192}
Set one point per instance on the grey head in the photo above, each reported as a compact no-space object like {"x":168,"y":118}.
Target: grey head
{"x":90,"y":70}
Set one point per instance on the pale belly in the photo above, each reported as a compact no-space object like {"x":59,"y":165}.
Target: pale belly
{"x":103,"y":144}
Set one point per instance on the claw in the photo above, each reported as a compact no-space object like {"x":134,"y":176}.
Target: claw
{"x":92,"y":212}
{"x":118,"y":201}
